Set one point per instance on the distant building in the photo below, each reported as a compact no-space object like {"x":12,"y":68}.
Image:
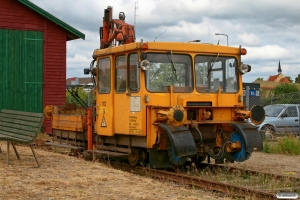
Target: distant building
{"x":280,"y":77}
{"x":274,"y":80}
{"x":78,"y":81}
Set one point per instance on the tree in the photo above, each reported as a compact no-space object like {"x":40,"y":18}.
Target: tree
{"x":297,"y":79}
{"x":259,"y":79}
{"x":290,"y":79}
{"x":284,"y":88}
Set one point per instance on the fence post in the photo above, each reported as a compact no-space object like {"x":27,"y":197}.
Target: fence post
{"x":247,"y":98}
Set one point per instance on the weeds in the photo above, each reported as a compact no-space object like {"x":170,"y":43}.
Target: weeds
{"x":267,"y":148}
{"x":286,"y":145}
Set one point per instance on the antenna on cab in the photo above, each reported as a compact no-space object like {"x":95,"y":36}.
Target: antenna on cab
{"x":159,"y":35}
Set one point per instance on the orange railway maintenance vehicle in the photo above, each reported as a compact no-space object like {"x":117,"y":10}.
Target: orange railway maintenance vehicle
{"x":161,"y":103}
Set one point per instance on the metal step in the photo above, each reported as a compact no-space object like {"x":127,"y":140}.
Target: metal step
{"x":113,"y":148}
{"x":107,"y":153}
{"x":64,"y":145}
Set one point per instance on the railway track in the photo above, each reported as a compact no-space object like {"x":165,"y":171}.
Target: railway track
{"x":231,"y":181}
{"x":249,"y":172}
{"x":241,"y":183}
{"x":195,"y":181}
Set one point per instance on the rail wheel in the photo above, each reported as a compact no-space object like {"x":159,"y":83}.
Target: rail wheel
{"x":176,"y":160}
{"x":242,"y":154}
{"x":267,"y":132}
{"x":135,"y":157}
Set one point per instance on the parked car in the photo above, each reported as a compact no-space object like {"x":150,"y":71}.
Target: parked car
{"x":281,"y":119}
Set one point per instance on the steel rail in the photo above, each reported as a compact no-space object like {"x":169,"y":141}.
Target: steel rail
{"x":226,"y":188}
{"x":249,"y":171}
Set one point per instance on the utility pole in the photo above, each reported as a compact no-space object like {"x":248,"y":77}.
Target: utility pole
{"x":135,"y":8}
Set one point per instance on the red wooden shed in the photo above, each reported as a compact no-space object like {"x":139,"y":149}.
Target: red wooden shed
{"x":33,"y":57}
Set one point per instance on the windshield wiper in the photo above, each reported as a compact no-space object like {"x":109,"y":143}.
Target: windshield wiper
{"x":158,"y":70}
{"x":172,"y":62}
{"x":212,"y":65}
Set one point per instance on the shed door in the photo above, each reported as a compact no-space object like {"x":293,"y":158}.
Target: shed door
{"x":21,"y":70}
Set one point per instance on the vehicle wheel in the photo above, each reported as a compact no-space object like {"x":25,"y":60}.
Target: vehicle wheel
{"x":267,"y":132}
{"x":176,"y":160}
{"x":135,"y":157}
{"x":242,"y":154}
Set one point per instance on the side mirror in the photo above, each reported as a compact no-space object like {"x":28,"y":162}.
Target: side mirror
{"x":86,"y":71}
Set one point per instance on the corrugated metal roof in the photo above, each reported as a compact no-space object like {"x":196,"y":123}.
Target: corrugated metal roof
{"x":57,"y":21}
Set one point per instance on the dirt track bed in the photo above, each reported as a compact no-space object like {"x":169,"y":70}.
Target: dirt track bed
{"x":66,"y":177}
{"x":272,"y":163}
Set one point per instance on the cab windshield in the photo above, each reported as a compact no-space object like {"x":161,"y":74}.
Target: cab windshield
{"x":168,"y":69}
{"x":216,"y":71}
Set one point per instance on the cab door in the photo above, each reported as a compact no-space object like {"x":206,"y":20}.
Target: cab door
{"x":104,"y":98}
{"x":127,"y":99}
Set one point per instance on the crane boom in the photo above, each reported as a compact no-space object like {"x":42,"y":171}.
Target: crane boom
{"x":115,"y":31}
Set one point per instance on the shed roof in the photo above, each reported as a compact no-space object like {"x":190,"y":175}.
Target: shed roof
{"x":75,"y":34}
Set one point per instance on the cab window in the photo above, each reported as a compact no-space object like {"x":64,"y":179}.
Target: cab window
{"x":120,"y":74}
{"x":104,"y":76}
{"x":134,"y":73}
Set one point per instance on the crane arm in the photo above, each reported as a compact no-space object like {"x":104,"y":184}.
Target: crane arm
{"x":115,"y":30}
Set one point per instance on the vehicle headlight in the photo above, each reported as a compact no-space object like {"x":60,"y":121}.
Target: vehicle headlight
{"x":145,"y":64}
{"x":245,"y":68}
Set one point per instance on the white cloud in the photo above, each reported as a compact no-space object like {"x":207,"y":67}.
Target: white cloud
{"x":268,"y":29}
{"x":249,"y":39}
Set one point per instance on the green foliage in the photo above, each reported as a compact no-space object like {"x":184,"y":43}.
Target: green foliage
{"x":297,"y":79}
{"x":266,"y":148}
{"x":285,"y":88}
{"x":163,"y":74}
{"x":286,"y":145}
{"x":259,"y":79}
{"x":290,"y":79}
{"x":79,"y":92}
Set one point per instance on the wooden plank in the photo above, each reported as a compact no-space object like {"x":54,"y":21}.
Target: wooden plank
{"x":19,"y":117}
{"x":23,"y":138}
{"x":12,"y":128}
{"x":27,"y":123}
{"x":29,"y":114}
{"x":16,"y":131}
{"x":13,"y":139}
{"x":18,"y":126}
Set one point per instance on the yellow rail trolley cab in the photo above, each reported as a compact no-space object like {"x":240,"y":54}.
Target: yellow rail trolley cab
{"x":163,"y":103}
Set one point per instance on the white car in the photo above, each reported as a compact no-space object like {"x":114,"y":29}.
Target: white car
{"x":281,"y":119}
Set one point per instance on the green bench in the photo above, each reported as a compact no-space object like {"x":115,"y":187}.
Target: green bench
{"x":18,"y":127}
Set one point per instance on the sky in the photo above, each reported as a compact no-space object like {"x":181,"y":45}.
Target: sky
{"x":268,"y":29}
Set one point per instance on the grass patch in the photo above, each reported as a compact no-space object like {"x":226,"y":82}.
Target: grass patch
{"x":286,"y":145}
